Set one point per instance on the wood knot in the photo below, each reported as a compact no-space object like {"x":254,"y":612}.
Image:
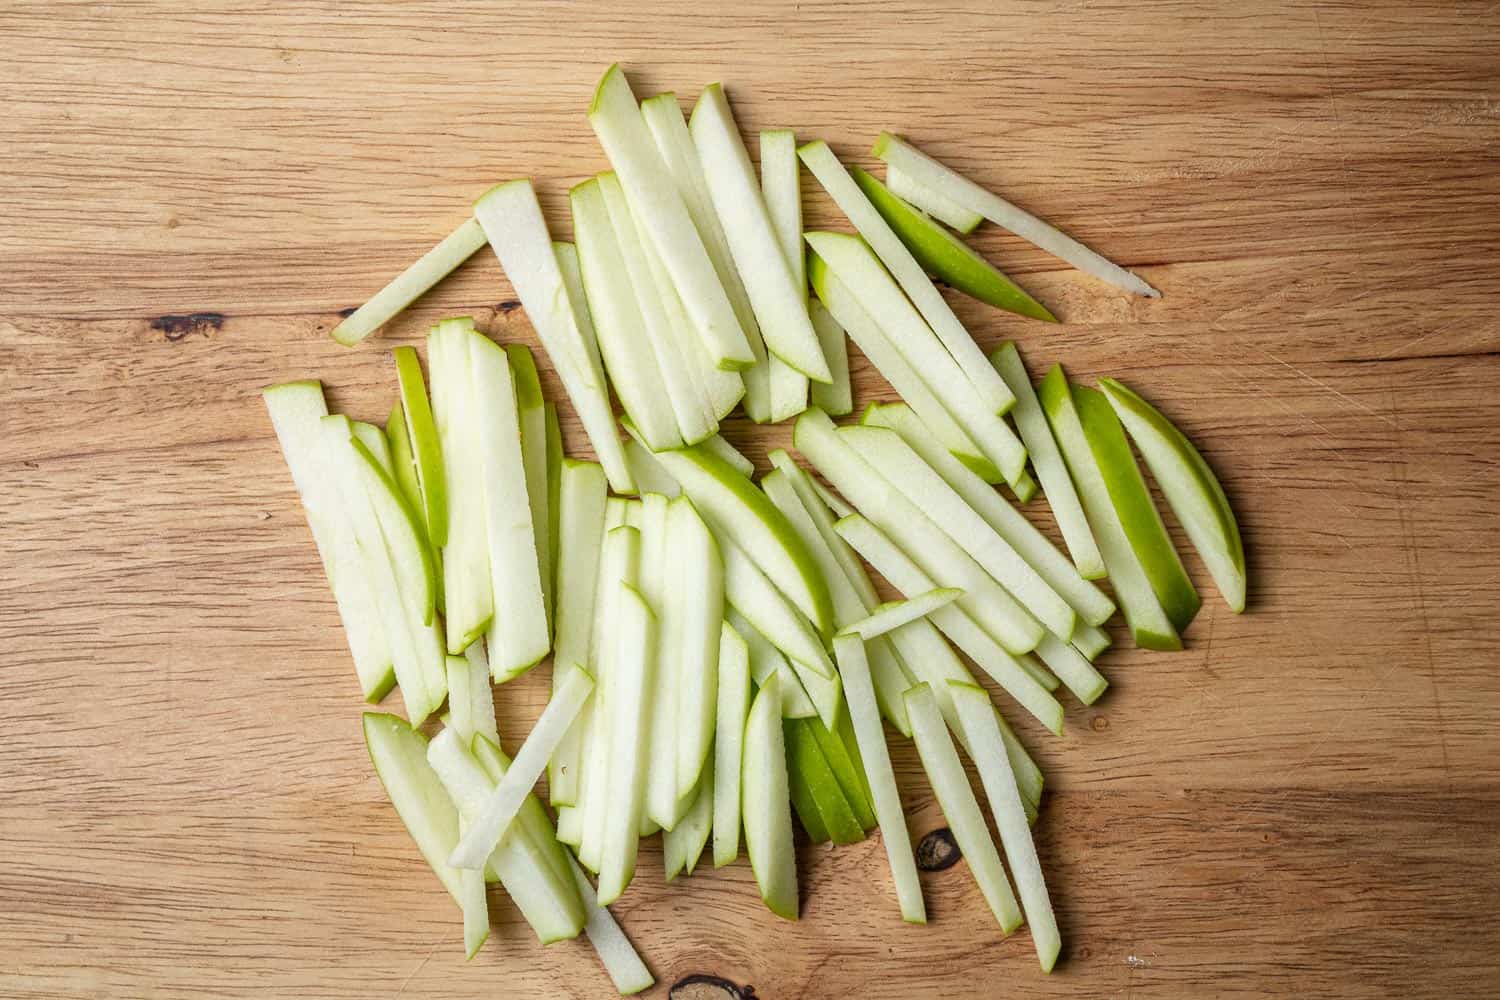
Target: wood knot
{"x":179,"y":327}
{"x":1098,"y":723}
{"x":508,"y":306}
{"x":701,"y":986}
{"x":938,"y":850}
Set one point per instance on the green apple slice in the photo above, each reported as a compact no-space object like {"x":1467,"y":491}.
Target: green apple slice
{"x":805,"y":808}
{"x":632,"y":151}
{"x":1092,"y":604}
{"x":767,"y":807}
{"x":471,"y":705}
{"x":805,"y":761}
{"x":582,"y":491}
{"x":403,"y":462}
{"x":826,"y":693}
{"x":959,"y":806}
{"x":674,"y":142}
{"x":923,"y":169}
{"x":945,"y":256}
{"x":532,"y":820}
{"x":620,"y":959}
{"x":626,"y":700}
{"x":906,"y":471}
{"x":1132,"y":501}
{"x":750,"y":592}
{"x":1025,"y":488}
{"x":1072,"y":668}
{"x":649,"y":475}
{"x":1090,"y":640}
{"x":884,"y":795}
{"x":1049,"y":465}
{"x":765,"y":660}
{"x":468,"y":600}
{"x":906,"y":576}
{"x":848,"y":774}
{"x":847,"y":309}
{"x":663,"y":793}
{"x":399,"y":754}
{"x":455,"y":248}
{"x":892,"y":615}
{"x":373,"y":438}
{"x":697,"y":592}
{"x":729,"y":453}
{"x":936,"y":314}
{"x":1148,"y":622}
{"x":555,"y":459}
{"x":835,"y":396}
{"x":512,"y":220}
{"x":1190,"y":486}
{"x":999,"y":782}
{"x":940,"y":207}
{"x":615,"y":567}
{"x":781,"y":187}
{"x":531,"y":407}
{"x":860,"y":271}
{"x":832,"y":455}
{"x":683,"y":844}
{"x":732,"y":707}
{"x":475,"y":907}
{"x":517,"y":638}
{"x":425,"y":446}
{"x":834,"y":502}
{"x":780,"y":304}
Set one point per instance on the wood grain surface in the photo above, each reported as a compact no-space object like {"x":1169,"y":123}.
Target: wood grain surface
{"x":1303,"y":803}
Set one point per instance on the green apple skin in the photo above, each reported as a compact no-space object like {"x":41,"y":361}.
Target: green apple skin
{"x":425,"y":446}
{"x":945,"y":256}
{"x":1190,"y":486}
{"x":807,"y":810}
{"x":805,"y":758}
{"x":767,"y":805}
{"x":402,"y":460}
{"x":848,"y":774}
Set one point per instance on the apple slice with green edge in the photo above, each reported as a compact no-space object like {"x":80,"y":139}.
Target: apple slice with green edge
{"x":632,"y":151}
{"x":582,"y":492}
{"x":860,"y":271}
{"x":988,"y":751}
{"x":697,"y":593}
{"x":471,"y":704}
{"x":1049,"y":465}
{"x":467,"y":595}
{"x":624,"y":340}
{"x":555,"y":458}
{"x":729,"y":453}
{"x":805,"y":808}
{"x":750,"y":592}
{"x":891,"y":615}
{"x":656,"y":301}
{"x":551,"y":906}
{"x":781,"y":187}
{"x":780,"y":304}
{"x":517,"y":639}
{"x":531,"y":407}
{"x":923,"y":169}
{"x":1072,"y":668}
{"x":765,"y":660}
{"x":834,"y":502}
{"x":373,"y":438}
{"x":736,"y":510}
{"x":663,"y":793}
{"x":940,"y":207}
{"x":495,"y":814}
{"x":649,"y":475}
{"x":884,"y":795}
{"x":627,"y":701}
{"x":907,"y":472}
{"x":1132,"y":501}
{"x":845,"y":771}
{"x":296,"y":410}
{"x":532,"y":820}
{"x":1090,"y":640}
{"x":618,"y":956}
{"x":835,"y":396}
{"x":906,"y":576}
{"x":832,"y":455}
{"x":960,"y":808}
{"x":767,"y":806}
{"x":1092,"y":604}
{"x":399,"y":754}
{"x":425,"y":447}
{"x":403,"y":462}
{"x":824,"y":692}
{"x":805,"y":762}
{"x":512,"y":219}
{"x":1025,"y":488}
{"x":683,"y":844}
{"x":432,"y":267}
{"x":1190,"y":486}
{"x":1148,"y":623}
{"x":570,"y":825}
{"x":731,"y":708}
{"x":937,"y":315}
{"x":945,"y":256}
{"x":849,"y":311}
{"x":675,"y":144}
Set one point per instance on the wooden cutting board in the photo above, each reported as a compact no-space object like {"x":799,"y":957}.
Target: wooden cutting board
{"x":1302,"y":803}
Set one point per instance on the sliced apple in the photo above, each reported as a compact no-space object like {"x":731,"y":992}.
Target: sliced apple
{"x":732,"y":707}
{"x":805,"y":762}
{"x":1072,"y":668}
{"x":923,"y":169}
{"x":940,"y":207}
{"x":403,"y":462}
{"x":892,"y":615}
{"x":697,"y":592}
{"x":620,"y":959}
{"x":1190,"y":486}
{"x":663,"y":794}
{"x":765,"y":660}
{"x":555,"y":459}
{"x":683,"y":844}
{"x":781,"y":187}
{"x":626,"y":699}
{"x":834,"y":396}
{"x":432,"y":267}
{"x":1090,"y":640}
{"x":750,"y":592}
{"x":1025,"y":488}
{"x":848,"y":773}
{"x":729,"y":453}
{"x":531,"y":407}
{"x":471,"y":704}
{"x":767,"y":807}
{"x":532,"y":820}
{"x":425,"y":446}
{"x":582,"y":492}
{"x":619,"y":562}
{"x":399,"y":754}
{"x":373,"y":438}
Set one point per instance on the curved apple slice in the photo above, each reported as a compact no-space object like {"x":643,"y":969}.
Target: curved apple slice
{"x":1190,"y":486}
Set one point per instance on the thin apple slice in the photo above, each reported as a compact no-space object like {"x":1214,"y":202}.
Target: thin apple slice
{"x":660,"y":808}
{"x":1049,"y":465}
{"x":432,"y":267}
{"x":940,"y":207}
{"x":582,"y":492}
{"x":1025,"y":488}
{"x":532,"y":820}
{"x":1132,"y":502}
{"x":697,"y":593}
{"x":849,"y":774}
{"x":767,"y":807}
{"x":555,"y":459}
{"x":1148,"y":622}
{"x":425,"y":446}
{"x":781,"y":187}
{"x":627,"y":141}
{"x":620,"y":959}
{"x":468,"y":597}
{"x":751,"y":593}
{"x":732,"y":708}
{"x":805,"y":809}
{"x":805,"y":762}
{"x":1090,"y":640}
{"x":946,"y":257}
{"x":959,"y":806}
{"x":892,"y":615}
{"x":399,"y":754}
{"x":531,"y":407}
{"x":729,"y":453}
{"x":626,"y":699}
{"x":835,"y":396}
{"x":683,"y":844}
{"x":765,"y":660}
{"x":1190,"y":486}
{"x":909,"y":578}
{"x":780,"y":304}
{"x":615,"y":567}
{"x":649,"y":475}
{"x":861,"y":272}
{"x":1072,"y":668}
{"x":512,"y":220}
{"x":471,"y":705}
{"x":373,"y":438}
{"x":999,"y":782}
{"x":403,"y":462}
{"x":923,"y":169}
{"x":826,"y":693}
{"x":884,"y":795}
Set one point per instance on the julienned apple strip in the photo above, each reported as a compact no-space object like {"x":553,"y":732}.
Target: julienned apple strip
{"x":471,"y":704}
{"x":844,"y":761}
{"x":399,"y":754}
{"x":619,"y":957}
{"x":807,"y":764}
{"x":732,"y":707}
{"x":531,"y":409}
{"x":937,"y":315}
{"x":892,"y":615}
{"x":765,"y":660}
{"x":512,"y":219}
{"x":781,"y":187}
{"x":767,"y":806}
{"x":696,"y":592}
{"x":664,"y":800}
{"x":594,"y":753}
{"x":940,"y":207}
{"x":931,"y":174}
{"x":752,"y":594}
{"x":834,"y":397}
{"x":403,"y":462}
{"x":425,"y":448}
{"x":627,"y":141}
{"x":457,"y":247}
{"x":581,"y":498}
{"x":683,"y":845}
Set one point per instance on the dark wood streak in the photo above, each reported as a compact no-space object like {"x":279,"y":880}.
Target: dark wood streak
{"x":508,"y":306}
{"x":179,"y":327}
{"x":701,"y":986}
{"x":938,"y":851}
